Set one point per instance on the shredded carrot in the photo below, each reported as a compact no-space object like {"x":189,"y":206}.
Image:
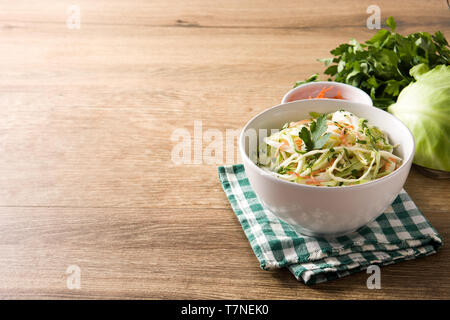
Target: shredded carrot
{"x":394,"y":163}
{"x":324,"y":90}
{"x":386,"y":165}
{"x":313,"y":182}
{"x":338,"y":96}
{"x":292,"y":172}
{"x":284,"y":146}
{"x":317,"y":171}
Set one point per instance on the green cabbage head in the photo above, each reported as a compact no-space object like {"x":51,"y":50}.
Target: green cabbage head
{"x":424,"y":107}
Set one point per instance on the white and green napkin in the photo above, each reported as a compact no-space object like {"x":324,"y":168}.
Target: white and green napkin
{"x":400,"y":233}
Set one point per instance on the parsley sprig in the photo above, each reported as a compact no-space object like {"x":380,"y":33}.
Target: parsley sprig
{"x":368,"y":133}
{"x":314,"y":137}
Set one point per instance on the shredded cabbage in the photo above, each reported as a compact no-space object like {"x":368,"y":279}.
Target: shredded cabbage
{"x":337,"y":149}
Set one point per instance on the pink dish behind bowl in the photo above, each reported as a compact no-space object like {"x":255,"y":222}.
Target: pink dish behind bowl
{"x":310,"y":90}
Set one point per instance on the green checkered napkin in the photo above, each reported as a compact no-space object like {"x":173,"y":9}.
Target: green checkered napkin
{"x":401,"y":233}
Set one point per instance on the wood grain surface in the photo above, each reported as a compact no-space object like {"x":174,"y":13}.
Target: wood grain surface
{"x":86,"y":176}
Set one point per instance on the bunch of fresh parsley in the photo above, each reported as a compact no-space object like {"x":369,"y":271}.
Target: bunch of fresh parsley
{"x":381,"y":65}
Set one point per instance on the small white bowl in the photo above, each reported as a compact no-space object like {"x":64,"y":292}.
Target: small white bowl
{"x":312,"y":89}
{"x":327,"y":211}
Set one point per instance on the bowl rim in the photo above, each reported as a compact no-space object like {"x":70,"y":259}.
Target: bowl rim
{"x":369,"y":99}
{"x":405,"y":163}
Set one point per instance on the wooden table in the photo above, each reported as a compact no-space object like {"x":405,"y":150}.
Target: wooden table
{"x":86,"y":176}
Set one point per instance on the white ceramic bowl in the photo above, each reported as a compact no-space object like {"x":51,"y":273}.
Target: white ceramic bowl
{"x":312,"y":89}
{"x":326,"y":211}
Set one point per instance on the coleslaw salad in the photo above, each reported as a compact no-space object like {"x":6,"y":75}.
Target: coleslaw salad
{"x":335,"y":149}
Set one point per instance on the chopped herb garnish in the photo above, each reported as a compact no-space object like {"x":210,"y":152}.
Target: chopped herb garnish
{"x":368,"y":133}
{"x":282,"y":170}
{"x":346,"y":153}
{"x":360,"y":141}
